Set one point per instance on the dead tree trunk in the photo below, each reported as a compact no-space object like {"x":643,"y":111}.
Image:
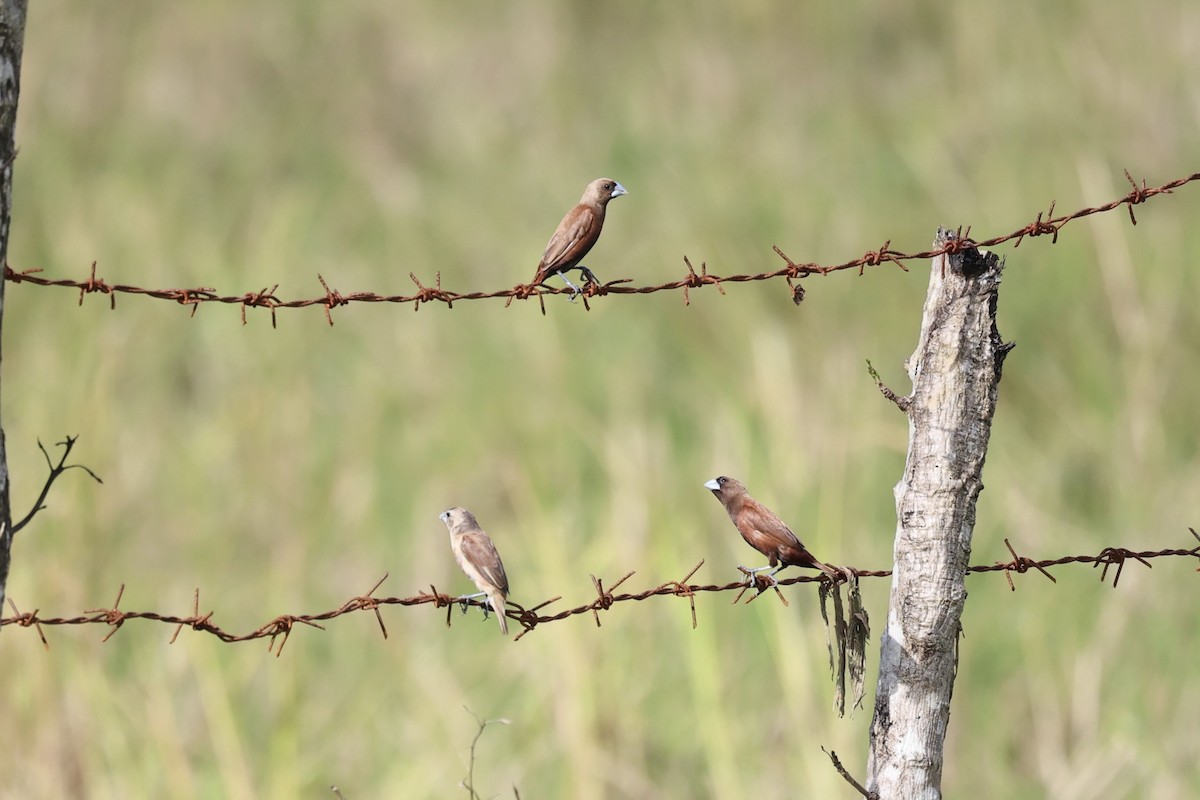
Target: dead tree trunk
{"x":12,"y":42}
{"x":955,"y":374}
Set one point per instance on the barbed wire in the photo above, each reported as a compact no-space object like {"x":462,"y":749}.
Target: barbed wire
{"x":1045,"y":224}
{"x":280,"y":628}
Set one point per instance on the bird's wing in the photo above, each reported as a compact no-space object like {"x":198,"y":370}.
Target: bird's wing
{"x":564,"y":244}
{"x":481,"y":553}
{"x":771,"y":527}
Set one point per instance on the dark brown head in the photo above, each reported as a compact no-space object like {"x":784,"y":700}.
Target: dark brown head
{"x":726,"y":489}
{"x":600,"y":191}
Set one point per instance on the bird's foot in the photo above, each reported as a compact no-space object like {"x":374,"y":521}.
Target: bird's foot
{"x":840,"y":574}
{"x":588,"y":275}
{"x":575,"y":290}
{"x":464,"y":601}
{"x":753,"y":577}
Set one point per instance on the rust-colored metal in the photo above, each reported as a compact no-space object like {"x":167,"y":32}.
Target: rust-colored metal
{"x":280,"y":628}
{"x":1046,"y":224}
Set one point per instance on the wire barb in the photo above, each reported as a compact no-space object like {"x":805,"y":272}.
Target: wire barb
{"x":1021,"y":565}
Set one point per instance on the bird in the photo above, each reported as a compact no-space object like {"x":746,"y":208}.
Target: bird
{"x":478,"y":558}
{"x":762,"y":530}
{"x":577,"y":234}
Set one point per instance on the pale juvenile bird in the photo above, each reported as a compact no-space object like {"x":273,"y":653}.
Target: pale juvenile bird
{"x":475,"y":553}
{"x":577,"y":233}
{"x":762,"y":530}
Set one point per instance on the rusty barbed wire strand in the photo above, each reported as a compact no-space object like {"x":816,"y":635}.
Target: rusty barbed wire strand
{"x":1045,"y":224}
{"x":280,"y":628}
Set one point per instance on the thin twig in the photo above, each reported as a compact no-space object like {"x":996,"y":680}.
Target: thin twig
{"x":837,"y":764}
{"x":469,"y":784}
{"x":55,"y":470}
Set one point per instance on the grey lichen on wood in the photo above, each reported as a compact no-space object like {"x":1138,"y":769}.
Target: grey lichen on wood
{"x":955,"y":373}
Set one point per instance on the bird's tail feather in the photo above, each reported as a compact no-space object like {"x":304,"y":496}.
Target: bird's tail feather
{"x":498,"y":606}
{"x":828,"y":570}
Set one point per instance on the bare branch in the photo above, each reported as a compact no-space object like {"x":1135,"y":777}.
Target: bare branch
{"x":902,"y":402}
{"x":837,"y":764}
{"x":55,"y":470}
{"x":469,"y":783}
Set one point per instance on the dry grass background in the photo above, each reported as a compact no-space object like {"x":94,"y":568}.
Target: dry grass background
{"x":242,"y":145}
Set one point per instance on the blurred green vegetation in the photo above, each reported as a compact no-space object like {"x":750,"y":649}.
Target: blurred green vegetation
{"x":242,"y":145}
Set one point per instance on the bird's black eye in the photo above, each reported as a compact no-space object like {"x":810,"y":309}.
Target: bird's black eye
{"x":722,"y":480}
{"x":609,"y":186}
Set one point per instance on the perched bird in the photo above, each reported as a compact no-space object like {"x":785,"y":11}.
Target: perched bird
{"x":475,"y":553}
{"x":762,"y":530}
{"x":577,"y":233}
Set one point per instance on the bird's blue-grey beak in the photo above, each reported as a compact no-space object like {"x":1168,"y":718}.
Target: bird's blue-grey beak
{"x":444,"y":516}
{"x":713,"y":485}
{"x":620,"y":190}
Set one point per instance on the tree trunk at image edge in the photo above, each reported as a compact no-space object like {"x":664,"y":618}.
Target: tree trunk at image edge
{"x":12,"y":41}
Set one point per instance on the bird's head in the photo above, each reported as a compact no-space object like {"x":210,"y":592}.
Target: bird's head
{"x":455,"y":517}
{"x":725,"y":488}
{"x":601,"y":190}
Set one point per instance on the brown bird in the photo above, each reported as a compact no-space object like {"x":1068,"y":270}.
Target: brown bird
{"x":475,"y":553}
{"x":576,"y":234}
{"x":762,"y":530}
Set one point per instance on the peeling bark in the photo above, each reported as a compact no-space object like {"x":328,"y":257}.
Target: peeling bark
{"x":955,"y":373}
